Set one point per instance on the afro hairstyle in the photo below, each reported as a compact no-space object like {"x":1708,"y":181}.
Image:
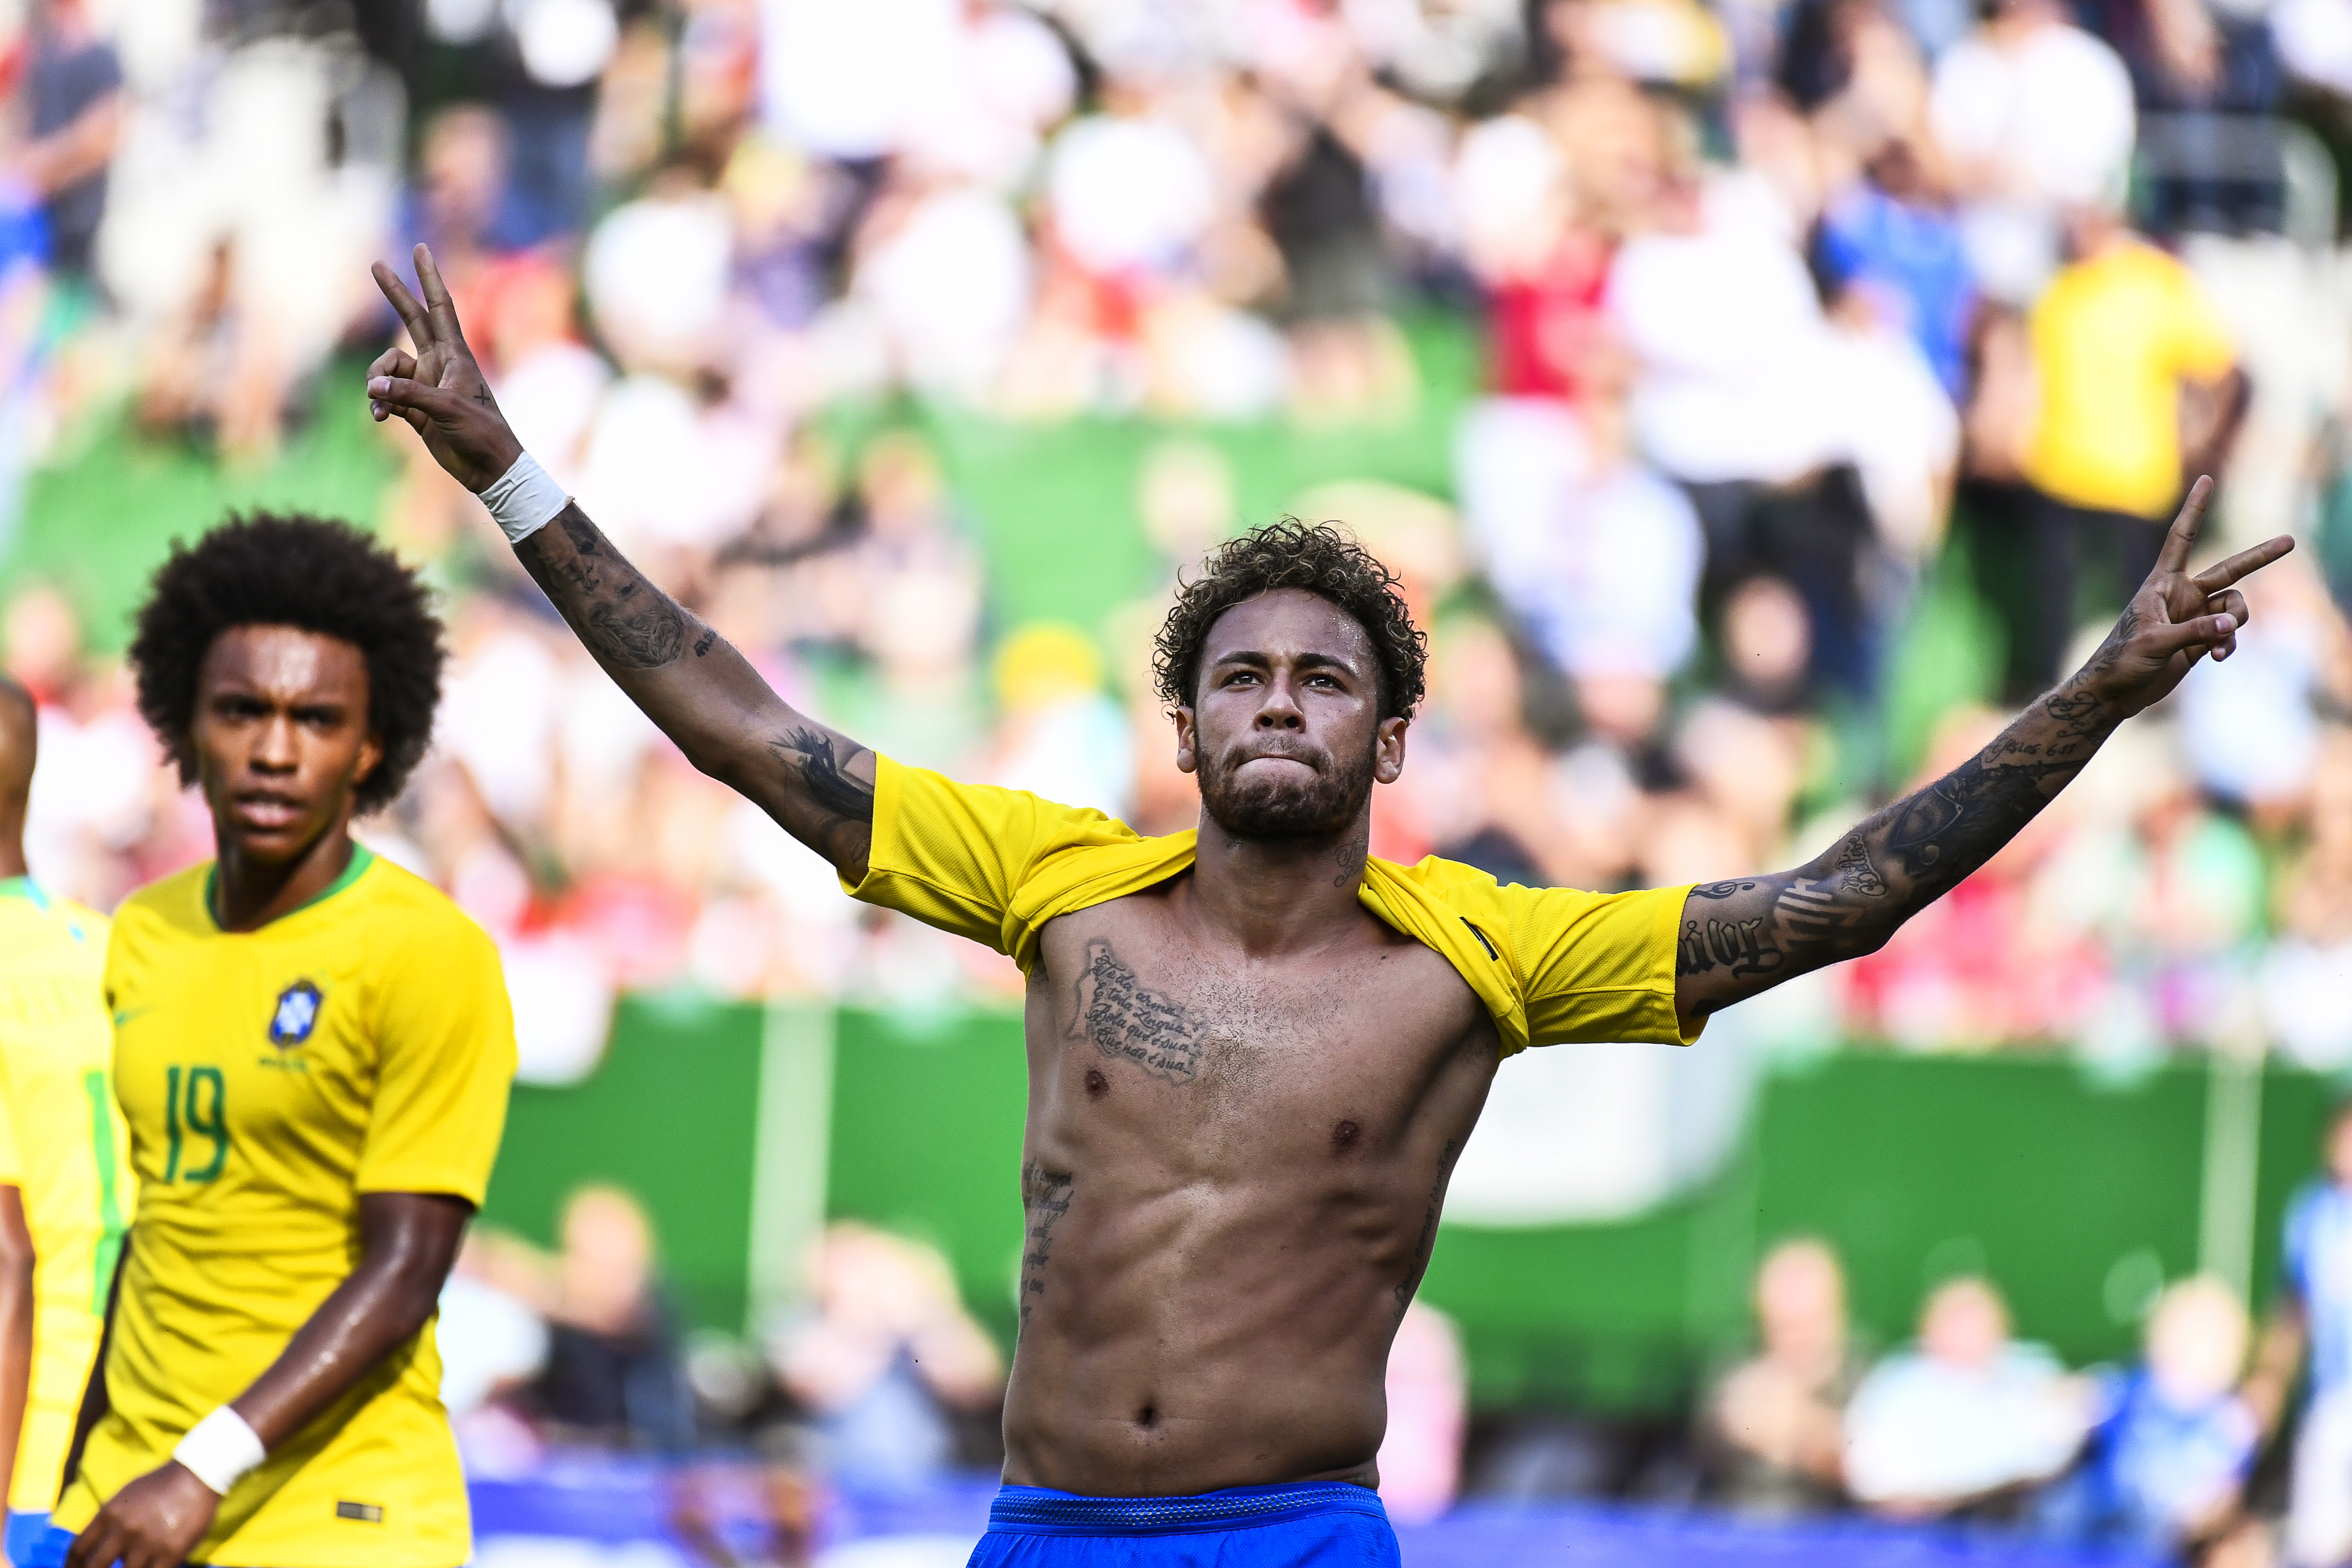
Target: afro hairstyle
{"x":1324,"y":561}
{"x":280,"y":569}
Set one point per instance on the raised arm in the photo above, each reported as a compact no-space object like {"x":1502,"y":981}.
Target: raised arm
{"x":817,"y":783}
{"x":1744,"y":936}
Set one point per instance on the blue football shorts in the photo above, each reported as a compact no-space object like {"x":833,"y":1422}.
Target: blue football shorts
{"x":1319,"y":1522}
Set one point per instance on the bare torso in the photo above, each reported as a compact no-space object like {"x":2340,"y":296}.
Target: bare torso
{"x":1232,"y":1177}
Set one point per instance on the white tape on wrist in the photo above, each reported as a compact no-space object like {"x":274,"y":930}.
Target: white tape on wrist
{"x":219,"y":1449}
{"x":524,"y":500}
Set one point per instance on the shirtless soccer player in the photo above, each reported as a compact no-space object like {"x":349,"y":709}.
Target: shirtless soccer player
{"x":1255,"y":1051}
{"x":311,"y":1049}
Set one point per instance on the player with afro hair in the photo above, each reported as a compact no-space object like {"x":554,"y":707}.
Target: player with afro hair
{"x":312,"y":1053}
{"x":294,"y":571}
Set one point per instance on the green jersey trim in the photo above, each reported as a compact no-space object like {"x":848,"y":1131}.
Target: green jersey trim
{"x":362,"y":859}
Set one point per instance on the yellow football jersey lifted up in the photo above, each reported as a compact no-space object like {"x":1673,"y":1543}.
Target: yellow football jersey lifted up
{"x":361,"y":1044}
{"x":62,"y":1145}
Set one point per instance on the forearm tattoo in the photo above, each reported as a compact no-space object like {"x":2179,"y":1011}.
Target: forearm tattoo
{"x":626,"y":621}
{"x":1755,"y":932}
{"x":1124,"y":1020}
{"x":1045,"y":1199}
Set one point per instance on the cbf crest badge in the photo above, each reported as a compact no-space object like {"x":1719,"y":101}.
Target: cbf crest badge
{"x":296,"y":1015}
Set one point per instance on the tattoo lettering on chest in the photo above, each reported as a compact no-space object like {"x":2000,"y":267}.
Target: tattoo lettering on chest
{"x":1045,"y":1199}
{"x":1123,"y":1019}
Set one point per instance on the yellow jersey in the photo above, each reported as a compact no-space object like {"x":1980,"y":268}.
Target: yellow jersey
{"x":1552,"y":965}
{"x":2114,"y":336}
{"x":362,"y":1043}
{"x":62,"y":1146}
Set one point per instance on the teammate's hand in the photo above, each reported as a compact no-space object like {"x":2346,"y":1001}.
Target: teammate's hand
{"x":439,"y":390}
{"x":2175,"y":619}
{"x":153,"y":1523}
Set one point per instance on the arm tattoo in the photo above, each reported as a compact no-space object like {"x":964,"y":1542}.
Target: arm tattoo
{"x":626,"y":621}
{"x":832,"y":811}
{"x":830,"y":789}
{"x":1045,"y":1199}
{"x":1123,"y":1020}
{"x":1851,"y":899}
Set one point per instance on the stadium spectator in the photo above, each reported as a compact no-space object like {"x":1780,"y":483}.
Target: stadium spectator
{"x":612,"y":1371}
{"x":887,"y":1357}
{"x":2163,"y":1468}
{"x":73,"y":114}
{"x":1775,"y":1425}
{"x":1965,"y":1418}
{"x":2309,"y":1327}
{"x":2123,"y":335}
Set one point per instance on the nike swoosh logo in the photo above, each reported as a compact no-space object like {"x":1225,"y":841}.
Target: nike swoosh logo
{"x":125,"y":1016}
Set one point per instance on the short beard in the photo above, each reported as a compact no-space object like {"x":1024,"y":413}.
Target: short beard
{"x":1285,"y":811}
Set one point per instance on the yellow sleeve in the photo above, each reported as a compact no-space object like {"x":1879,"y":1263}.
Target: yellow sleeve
{"x":1596,"y":966}
{"x":448,"y":1057}
{"x":2203,"y":348}
{"x":955,"y":855}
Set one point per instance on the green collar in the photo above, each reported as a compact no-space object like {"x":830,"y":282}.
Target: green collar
{"x":362,"y":859}
{"x":24,"y":887}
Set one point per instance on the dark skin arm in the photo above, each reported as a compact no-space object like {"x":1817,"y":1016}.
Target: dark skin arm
{"x":2278,"y":1362}
{"x":407,"y":1242}
{"x":15,"y":1324}
{"x":1744,"y":936}
{"x":817,"y":783}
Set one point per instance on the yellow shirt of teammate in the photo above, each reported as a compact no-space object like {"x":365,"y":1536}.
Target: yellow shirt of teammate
{"x":2113,"y":337}
{"x":361,"y":1044}
{"x":62,"y":1145}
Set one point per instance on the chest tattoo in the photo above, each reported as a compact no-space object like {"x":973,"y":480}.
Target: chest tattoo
{"x":1123,"y":1019}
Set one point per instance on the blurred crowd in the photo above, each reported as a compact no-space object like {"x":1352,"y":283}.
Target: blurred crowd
{"x":2226,"y":1442}
{"x":2199,"y":1451}
{"x":1841,"y":362}
{"x":878,"y":1380}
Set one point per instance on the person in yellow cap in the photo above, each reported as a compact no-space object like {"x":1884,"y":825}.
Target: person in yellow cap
{"x":65,"y":1182}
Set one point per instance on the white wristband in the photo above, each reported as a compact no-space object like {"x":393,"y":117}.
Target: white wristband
{"x":523,"y":500}
{"x":219,"y":1449}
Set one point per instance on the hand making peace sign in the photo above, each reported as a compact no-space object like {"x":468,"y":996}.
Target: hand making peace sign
{"x":439,"y":390}
{"x":2176,"y":618}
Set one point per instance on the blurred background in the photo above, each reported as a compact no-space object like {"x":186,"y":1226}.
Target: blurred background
{"x":1758,"y":399}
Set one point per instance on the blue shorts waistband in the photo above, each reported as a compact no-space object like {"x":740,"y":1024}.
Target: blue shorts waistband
{"x":1040,"y":1510}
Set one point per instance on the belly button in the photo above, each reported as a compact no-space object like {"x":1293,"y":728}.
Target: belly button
{"x":1148,"y":1416}
{"x":1095,"y":1083}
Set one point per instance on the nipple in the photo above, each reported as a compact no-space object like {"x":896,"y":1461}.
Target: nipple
{"x":1343,"y":1137}
{"x":1096,"y":1085}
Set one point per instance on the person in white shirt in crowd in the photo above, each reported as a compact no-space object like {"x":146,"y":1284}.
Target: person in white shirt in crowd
{"x":1965,"y":1415}
{"x":2033,"y":115}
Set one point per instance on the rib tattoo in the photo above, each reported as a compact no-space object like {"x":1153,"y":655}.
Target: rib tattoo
{"x":1045,"y":1199}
